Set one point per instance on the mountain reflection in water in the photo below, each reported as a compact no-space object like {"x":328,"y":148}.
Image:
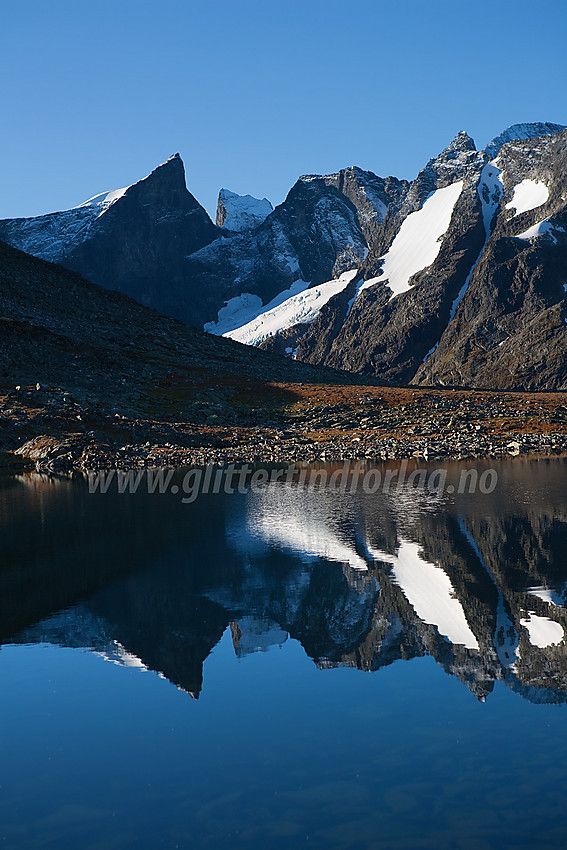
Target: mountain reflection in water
{"x":478,"y":582}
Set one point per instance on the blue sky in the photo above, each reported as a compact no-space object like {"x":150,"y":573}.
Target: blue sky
{"x":96,"y":93}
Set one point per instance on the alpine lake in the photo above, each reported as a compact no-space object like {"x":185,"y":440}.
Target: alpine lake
{"x":290,"y":665}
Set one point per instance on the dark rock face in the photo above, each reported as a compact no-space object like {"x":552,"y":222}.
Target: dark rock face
{"x":142,"y":239}
{"x":370,"y":195}
{"x":135,"y":245}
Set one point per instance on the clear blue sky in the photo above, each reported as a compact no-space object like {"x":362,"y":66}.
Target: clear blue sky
{"x":96,"y":93}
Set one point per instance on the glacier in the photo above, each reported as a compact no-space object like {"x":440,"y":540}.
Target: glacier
{"x":302,"y":307}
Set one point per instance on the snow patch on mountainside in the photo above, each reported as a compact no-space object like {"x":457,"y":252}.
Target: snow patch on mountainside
{"x":542,"y":228}
{"x":528,"y":195}
{"x":460,"y":295}
{"x":241,"y":212}
{"x":284,"y":311}
{"x":418,"y":241}
{"x":431,"y":351}
{"x":547,"y":594}
{"x":543,"y":632}
{"x":429,"y":591}
{"x":490,"y":189}
{"x":102,"y":202}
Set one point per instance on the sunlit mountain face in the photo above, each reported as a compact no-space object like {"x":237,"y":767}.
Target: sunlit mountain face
{"x":477,"y":582}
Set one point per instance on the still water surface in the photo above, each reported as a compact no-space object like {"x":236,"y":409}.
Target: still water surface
{"x":286,"y":668}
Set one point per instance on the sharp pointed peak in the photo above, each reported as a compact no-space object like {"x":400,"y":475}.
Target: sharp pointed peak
{"x":462,"y":141}
{"x":174,"y":159}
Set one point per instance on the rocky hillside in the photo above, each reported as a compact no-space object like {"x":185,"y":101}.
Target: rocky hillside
{"x":89,"y":378}
{"x":57,"y":324}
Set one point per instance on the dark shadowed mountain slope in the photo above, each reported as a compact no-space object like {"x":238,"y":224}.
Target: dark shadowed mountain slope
{"x":59,"y":329}
{"x":133,"y":240}
{"x":154,"y":242}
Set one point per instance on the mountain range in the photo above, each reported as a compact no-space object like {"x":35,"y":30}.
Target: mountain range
{"x":455,"y":278}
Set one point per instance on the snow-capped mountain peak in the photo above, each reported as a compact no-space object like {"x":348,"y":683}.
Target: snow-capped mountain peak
{"x":240,"y":213}
{"x":125,"y":238}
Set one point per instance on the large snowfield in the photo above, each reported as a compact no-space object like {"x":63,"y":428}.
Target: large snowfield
{"x":528,"y":195}
{"x":418,"y":241}
{"x":415,"y":247}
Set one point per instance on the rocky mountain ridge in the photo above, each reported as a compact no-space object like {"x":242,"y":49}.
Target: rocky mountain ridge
{"x":134,"y":242}
{"x":483,"y":304}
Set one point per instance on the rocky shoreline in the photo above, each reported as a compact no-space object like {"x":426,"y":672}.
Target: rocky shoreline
{"x":48,"y":429}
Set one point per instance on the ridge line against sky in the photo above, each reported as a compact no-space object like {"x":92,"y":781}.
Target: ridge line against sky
{"x":254,"y":94}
